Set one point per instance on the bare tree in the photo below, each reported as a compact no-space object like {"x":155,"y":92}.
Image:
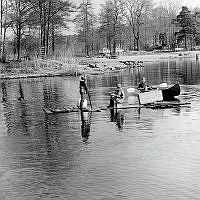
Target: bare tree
{"x":111,"y":23}
{"x":85,"y":22}
{"x":171,"y":7}
{"x":5,"y":24}
{"x":134,"y":13}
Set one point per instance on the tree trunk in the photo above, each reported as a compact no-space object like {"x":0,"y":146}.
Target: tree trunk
{"x":18,"y":30}
{"x":137,"y":37}
{"x":114,"y":42}
{"x":3,"y":36}
{"x":137,"y":42}
{"x":41,"y":23}
{"x":109,"y":43}
{"x":1,"y":32}
{"x":3,"y":56}
{"x":18,"y":42}
{"x":44,"y":28}
{"x":48,"y":27}
{"x":53,"y":38}
{"x":185,"y":42}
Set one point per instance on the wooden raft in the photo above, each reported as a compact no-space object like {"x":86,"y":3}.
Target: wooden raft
{"x":67,"y":110}
{"x":167,"y":104}
{"x":155,"y":105}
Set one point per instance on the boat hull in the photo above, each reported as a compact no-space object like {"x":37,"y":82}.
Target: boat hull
{"x":169,"y":94}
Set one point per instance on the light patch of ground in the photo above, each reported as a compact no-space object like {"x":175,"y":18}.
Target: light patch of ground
{"x":93,"y":65}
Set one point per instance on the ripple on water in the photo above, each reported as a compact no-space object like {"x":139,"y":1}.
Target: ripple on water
{"x":140,"y":154}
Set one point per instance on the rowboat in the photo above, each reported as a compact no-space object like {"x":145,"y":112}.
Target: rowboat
{"x":169,"y":94}
{"x":160,"y":94}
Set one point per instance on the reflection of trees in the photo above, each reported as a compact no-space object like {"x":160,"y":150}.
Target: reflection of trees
{"x":191,"y":73}
{"x":52,"y":139}
{"x":17,"y":117}
{"x":21,"y":93}
{"x":52,"y":148}
{"x":117,"y":117}
{"x":50,"y":95}
{"x":24,"y":118}
{"x":171,"y":71}
{"x":17,"y":113}
{"x":4,"y":91}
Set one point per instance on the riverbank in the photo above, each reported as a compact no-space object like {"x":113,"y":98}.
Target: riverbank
{"x":39,"y":68}
{"x":157,"y":56}
{"x":96,"y":65}
{"x":91,"y":65}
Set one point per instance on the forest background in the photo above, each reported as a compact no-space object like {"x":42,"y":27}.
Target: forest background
{"x":32,"y":29}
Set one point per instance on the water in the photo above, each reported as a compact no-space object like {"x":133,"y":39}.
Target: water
{"x":135,"y":154}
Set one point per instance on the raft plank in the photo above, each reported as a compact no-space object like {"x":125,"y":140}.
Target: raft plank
{"x":124,"y":107}
{"x":176,"y":103}
{"x":47,"y":111}
{"x":161,"y":105}
{"x":68,"y":110}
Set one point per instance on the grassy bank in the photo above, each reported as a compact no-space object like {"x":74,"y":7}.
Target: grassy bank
{"x":66,"y":65}
{"x":39,"y":68}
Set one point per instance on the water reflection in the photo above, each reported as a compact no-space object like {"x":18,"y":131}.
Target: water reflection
{"x":4,"y":91}
{"x":118,"y":117}
{"x":158,"y":147}
{"x":85,"y":124}
{"x":52,"y":139}
{"x":24,"y":120}
{"x":21,"y":93}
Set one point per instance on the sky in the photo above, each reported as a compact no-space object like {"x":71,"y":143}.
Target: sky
{"x":188,"y":3}
{"x":96,"y":5}
{"x":192,"y":3}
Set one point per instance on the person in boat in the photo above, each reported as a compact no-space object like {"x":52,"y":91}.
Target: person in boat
{"x":117,"y":96}
{"x":83,"y":90}
{"x":143,"y":86}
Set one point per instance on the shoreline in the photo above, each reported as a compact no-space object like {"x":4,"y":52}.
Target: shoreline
{"x":156,"y":56}
{"x":91,"y":66}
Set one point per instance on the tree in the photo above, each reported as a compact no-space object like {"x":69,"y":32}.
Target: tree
{"x":85,"y":22}
{"x":187,"y":23}
{"x":5,"y":24}
{"x":111,"y":23}
{"x":171,"y":7}
{"x":197,"y":20}
{"x":52,"y":15}
{"x":19,"y":20}
{"x":134,"y":11}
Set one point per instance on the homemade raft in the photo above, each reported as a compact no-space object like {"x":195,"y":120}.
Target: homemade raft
{"x":67,"y":110}
{"x":155,"y":105}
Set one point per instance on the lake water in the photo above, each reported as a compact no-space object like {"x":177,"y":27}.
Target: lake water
{"x":139,"y":154}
